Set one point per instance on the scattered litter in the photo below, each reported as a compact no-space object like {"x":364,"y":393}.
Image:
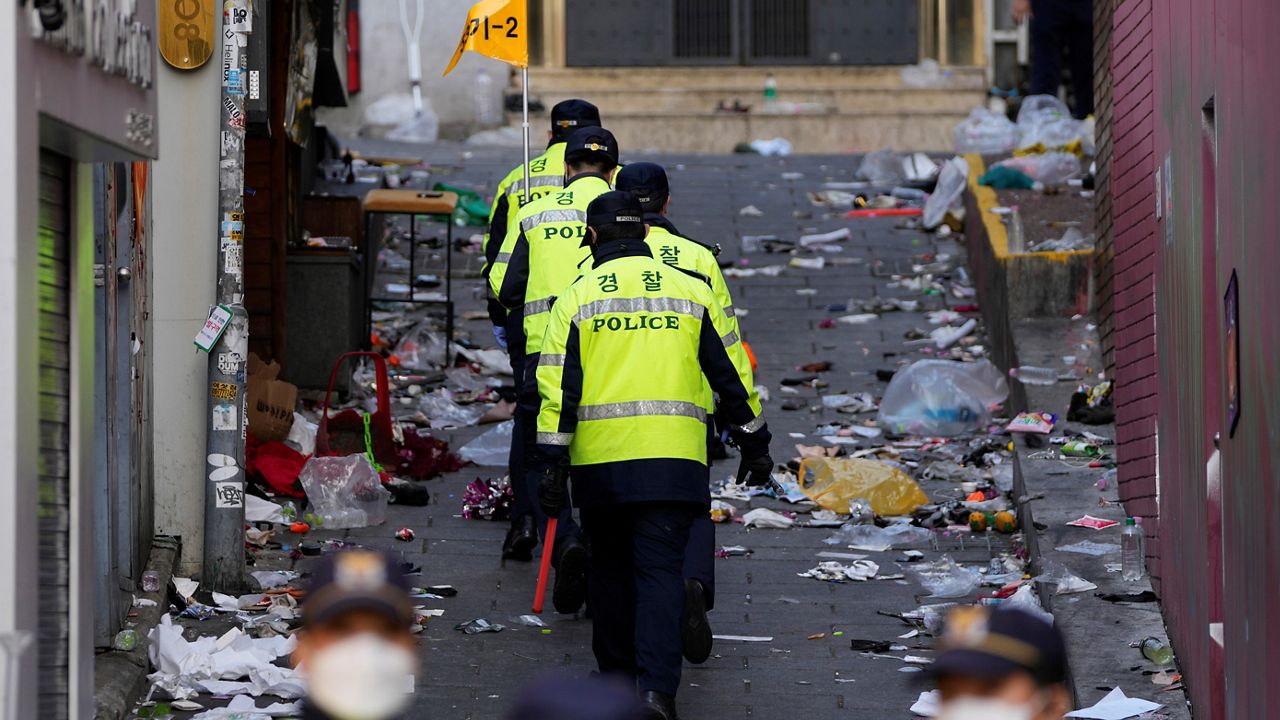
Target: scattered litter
{"x":823,"y":238}
{"x":944,"y":578}
{"x":405,"y":534}
{"x":743,"y":638}
{"x":1115,"y":706}
{"x":1072,"y":239}
{"x":733,"y":551}
{"x":243,"y":707}
{"x":258,"y":510}
{"x":1024,"y":598}
{"x":345,"y":492}
{"x":908,"y":635}
{"x":945,"y":337}
{"x":877,"y":539}
{"x":766,"y":518}
{"x":833,"y":482}
{"x":1050,"y":168}
{"x":1067,"y":582}
{"x":942,"y":397}
{"x":870,"y":646}
{"x":1089,"y":521}
{"x":1088,"y":547}
{"x":1033,"y":422}
{"x":491,"y":448}
{"x":774,"y":147}
{"x":767,"y":270}
{"x":831,"y":571}
{"x":751,"y":211}
{"x":270,"y":579}
{"x":1146,"y":596}
{"x":985,"y":132}
{"x":530,"y":621}
{"x":722,"y":511}
{"x":487,"y":499}
{"x":929,"y":704}
{"x":479,"y":625}
{"x":951,"y":184}
{"x":809,"y":263}
{"x":840,"y":556}
{"x":216,"y":665}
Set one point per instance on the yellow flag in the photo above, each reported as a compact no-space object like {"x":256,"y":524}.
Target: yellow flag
{"x":497,"y":28}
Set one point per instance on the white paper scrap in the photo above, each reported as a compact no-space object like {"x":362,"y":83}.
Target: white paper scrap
{"x":1115,"y":706}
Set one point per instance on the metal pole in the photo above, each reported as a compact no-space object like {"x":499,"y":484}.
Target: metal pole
{"x":524,"y":74}
{"x":228,"y":402}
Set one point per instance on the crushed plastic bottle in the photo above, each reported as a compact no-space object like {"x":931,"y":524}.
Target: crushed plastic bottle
{"x":1132,"y":568}
{"x":1017,"y":236}
{"x":1032,"y":375}
{"x":1157,"y":651}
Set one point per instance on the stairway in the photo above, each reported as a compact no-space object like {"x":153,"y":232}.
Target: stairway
{"x":818,"y":109}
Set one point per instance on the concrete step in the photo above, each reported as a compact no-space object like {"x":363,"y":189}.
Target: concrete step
{"x":841,"y":100}
{"x":789,"y":78}
{"x":808,"y":134}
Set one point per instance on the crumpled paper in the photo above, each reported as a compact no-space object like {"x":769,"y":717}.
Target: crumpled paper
{"x":859,"y":570}
{"x":217,"y":665}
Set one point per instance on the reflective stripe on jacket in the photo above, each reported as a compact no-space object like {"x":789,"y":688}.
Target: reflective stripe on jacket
{"x":542,"y":254}
{"x":546,"y":175}
{"x":628,"y":353}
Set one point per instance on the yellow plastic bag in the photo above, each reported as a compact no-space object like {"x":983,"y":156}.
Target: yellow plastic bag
{"x":833,"y":482}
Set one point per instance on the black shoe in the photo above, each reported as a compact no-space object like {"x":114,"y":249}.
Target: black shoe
{"x":695,"y":629}
{"x":657,"y":706}
{"x":522,"y":538}
{"x":570,"y":590}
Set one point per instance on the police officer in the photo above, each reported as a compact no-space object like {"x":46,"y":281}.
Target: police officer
{"x":628,"y":354}
{"x":1057,"y":25}
{"x":539,"y":258}
{"x":648,"y":183}
{"x":546,"y":174}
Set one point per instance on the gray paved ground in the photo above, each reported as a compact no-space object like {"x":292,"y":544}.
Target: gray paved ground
{"x":479,"y":676}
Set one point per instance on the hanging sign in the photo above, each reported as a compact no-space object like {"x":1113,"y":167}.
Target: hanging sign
{"x":498,"y":29}
{"x":185,"y":30}
{"x":213,"y":328}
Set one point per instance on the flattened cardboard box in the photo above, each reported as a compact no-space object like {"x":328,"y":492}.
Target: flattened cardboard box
{"x":271,"y":400}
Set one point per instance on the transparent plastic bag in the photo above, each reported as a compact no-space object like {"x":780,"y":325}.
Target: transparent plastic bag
{"x":422,"y":348}
{"x":951,"y":183}
{"x":346,"y":492}
{"x":942,"y":397}
{"x":1053,"y":168}
{"x":943,"y":578}
{"x":444,"y":412}
{"x":985,"y":132}
{"x":491,"y":448}
{"x":881,"y":167}
{"x":870,"y":537}
{"x":1045,"y":121}
{"x":1037,"y":109}
{"x":833,"y":482}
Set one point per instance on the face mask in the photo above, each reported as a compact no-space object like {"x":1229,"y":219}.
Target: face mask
{"x":971,"y":708}
{"x":361,"y":678}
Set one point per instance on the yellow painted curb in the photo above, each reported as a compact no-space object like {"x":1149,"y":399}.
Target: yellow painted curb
{"x":984,"y":199}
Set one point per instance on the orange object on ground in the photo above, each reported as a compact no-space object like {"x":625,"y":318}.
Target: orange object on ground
{"x":299,"y":528}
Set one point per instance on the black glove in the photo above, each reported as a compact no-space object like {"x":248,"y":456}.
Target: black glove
{"x":553,"y":489}
{"x":755,"y":471}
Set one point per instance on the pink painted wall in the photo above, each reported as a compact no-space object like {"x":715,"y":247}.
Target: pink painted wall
{"x":1205,"y":104}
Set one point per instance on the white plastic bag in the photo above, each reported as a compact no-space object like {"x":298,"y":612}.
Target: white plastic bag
{"x":1053,"y":168}
{"x":942,"y":397}
{"x":491,"y":448}
{"x":1045,"y":120}
{"x":443,"y":412}
{"x":882,"y":167}
{"x":985,"y":132}
{"x":945,"y":579}
{"x":951,"y":184}
{"x":422,"y":348}
{"x":345,"y":492}
{"x":879,"y":539}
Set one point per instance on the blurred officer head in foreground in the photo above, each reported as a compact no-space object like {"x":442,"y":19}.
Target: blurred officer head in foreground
{"x":1001,"y":665}
{"x":566,"y":698}
{"x":356,"y":646}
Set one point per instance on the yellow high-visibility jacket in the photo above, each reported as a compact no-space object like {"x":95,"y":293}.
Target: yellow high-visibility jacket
{"x":628,"y":354}
{"x":542,"y":254}
{"x":676,"y":250}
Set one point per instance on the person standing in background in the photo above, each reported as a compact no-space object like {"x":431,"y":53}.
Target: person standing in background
{"x":1058,"y":25}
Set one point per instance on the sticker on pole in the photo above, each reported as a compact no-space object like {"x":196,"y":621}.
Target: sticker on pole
{"x":229,"y":494}
{"x":224,"y":417}
{"x":213,"y":328}
{"x":224,"y":467}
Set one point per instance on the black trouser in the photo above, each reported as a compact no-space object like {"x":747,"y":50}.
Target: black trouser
{"x":1055,"y":25}
{"x":528,"y":403}
{"x":522,"y":503}
{"x":700,"y":555}
{"x":636,"y":589}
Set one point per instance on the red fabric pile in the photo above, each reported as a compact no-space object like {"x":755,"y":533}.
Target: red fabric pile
{"x":274,"y":465}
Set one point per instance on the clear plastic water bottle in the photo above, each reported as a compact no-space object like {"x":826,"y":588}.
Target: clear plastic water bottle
{"x":1132,"y":566}
{"x":486,"y":107}
{"x":770,"y":90}
{"x":1032,"y":375}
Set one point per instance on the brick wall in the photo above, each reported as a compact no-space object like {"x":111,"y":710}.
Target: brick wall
{"x":1133,"y":261}
{"x":1104,"y":255}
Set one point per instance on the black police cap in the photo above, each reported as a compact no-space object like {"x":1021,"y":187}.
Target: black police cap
{"x":570,"y":115}
{"x":647,"y":181}
{"x":591,"y":143}
{"x":616,"y":208}
{"x":357,"y":580}
{"x":982,"y":642}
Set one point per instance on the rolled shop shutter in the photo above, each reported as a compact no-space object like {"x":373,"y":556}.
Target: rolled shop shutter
{"x":54,"y":492}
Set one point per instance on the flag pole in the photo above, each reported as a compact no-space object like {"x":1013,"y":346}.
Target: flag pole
{"x":524,"y":72}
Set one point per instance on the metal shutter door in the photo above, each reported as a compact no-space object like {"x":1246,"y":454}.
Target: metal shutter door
{"x":54,"y":339}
